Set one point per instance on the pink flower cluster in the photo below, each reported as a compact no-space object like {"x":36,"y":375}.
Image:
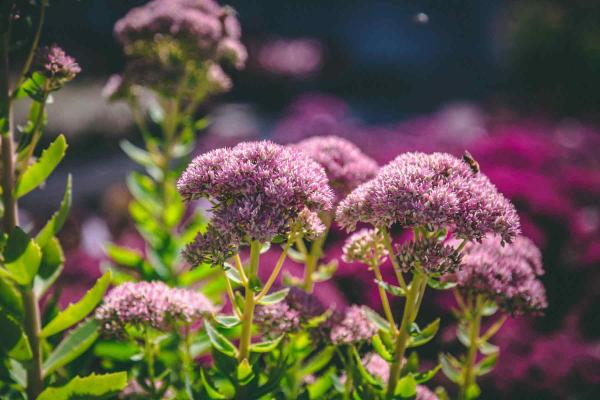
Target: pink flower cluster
{"x":163,"y":39}
{"x":56,"y":65}
{"x":346,"y":166}
{"x":507,"y":274}
{"x":258,"y":191}
{"x":434,"y":191}
{"x":355,"y":326}
{"x":150,"y":304}
{"x":429,"y":255}
{"x":365,"y":246}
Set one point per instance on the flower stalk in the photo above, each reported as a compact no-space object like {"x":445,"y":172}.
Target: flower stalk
{"x":474,"y":325}
{"x":249,"y":303}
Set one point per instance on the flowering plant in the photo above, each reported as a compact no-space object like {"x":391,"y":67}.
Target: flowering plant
{"x":199,"y":311}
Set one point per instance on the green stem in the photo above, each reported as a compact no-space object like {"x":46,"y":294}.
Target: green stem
{"x":249,"y":303}
{"x":413,"y":299}
{"x":273,"y":276}
{"x":384,"y":301}
{"x":150,"y":361}
{"x":388,"y":245}
{"x":468,"y":377}
{"x":35,"y":380}
{"x":312,"y":258}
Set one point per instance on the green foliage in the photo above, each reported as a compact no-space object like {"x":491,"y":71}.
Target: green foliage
{"x":22,"y":257}
{"x":274,"y":297}
{"x":220,"y":342}
{"x":88,"y":387}
{"x":72,"y":346}
{"x":37,"y":173}
{"x":14,"y":342}
{"x":78,"y":311}
{"x":56,"y":222}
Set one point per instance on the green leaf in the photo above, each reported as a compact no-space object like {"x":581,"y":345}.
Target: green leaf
{"x":407,"y":386}
{"x":137,"y":154}
{"x":72,"y":346}
{"x":244,"y":372}
{"x":220,"y":342}
{"x":125,"y":256}
{"x":144,"y":190}
{"x":56,"y":222}
{"x":90,"y":387}
{"x":486,"y":348}
{"x":266,"y":346}
{"x":51,"y":266}
{"x":439,"y":285}
{"x":378,"y":320}
{"x":14,"y":342}
{"x":425,"y":335}
{"x":325,"y":271}
{"x":227,"y":321}
{"x":363,"y":371}
{"x":392,"y":289}
{"x":472,"y":392}
{"x":381,"y":349}
{"x":462,"y":335}
{"x":37,"y":173}
{"x":274,"y":297}
{"x":486,"y":365}
{"x":10,"y":298}
{"x":118,"y":351}
{"x":317,"y":362}
{"x":489,"y":309}
{"x":22,"y":257}
{"x":450,"y":367}
{"x":33,"y":87}
{"x":422,"y":377}
{"x":78,"y":311}
{"x":212,"y":392}
{"x":321,"y":385}
{"x":296,"y":256}
{"x":232,"y":274}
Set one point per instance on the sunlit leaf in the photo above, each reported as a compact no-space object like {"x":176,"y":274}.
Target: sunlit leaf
{"x":220,"y":342}
{"x":56,"y":222}
{"x":37,"y":173}
{"x":22,"y":257}
{"x":72,"y":346}
{"x":274,"y":297}
{"x":266,"y":346}
{"x":89,"y":387}
{"x":78,"y":311}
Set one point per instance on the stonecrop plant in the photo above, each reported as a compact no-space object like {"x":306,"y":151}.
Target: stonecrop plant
{"x":37,"y":343}
{"x":199,"y":311}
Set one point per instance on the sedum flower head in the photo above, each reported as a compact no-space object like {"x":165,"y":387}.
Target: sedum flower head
{"x":506,"y":275}
{"x":259,"y":190}
{"x":289,"y":315}
{"x":150,"y":304}
{"x":346,"y":166}
{"x":169,"y":40}
{"x":429,"y":255}
{"x":354,"y":327}
{"x":365,"y":246}
{"x":57,"y":66}
{"x":431,"y":190}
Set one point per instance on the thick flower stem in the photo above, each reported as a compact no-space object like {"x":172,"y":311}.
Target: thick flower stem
{"x":468,"y":377}
{"x":312,"y":258}
{"x":35,"y":380}
{"x":388,"y":245}
{"x":384,"y":301}
{"x":413,"y":299}
{"x":249,"y":303}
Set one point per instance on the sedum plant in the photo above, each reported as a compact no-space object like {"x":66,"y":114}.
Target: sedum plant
{"x":174,"y":50}
{"x":37,"y":344}
{"x":492,"y":279}
{"x":430,"y":194}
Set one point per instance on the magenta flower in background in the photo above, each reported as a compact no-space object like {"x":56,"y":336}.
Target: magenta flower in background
{"x":431,"y":190}
{"x":291,"y":57}
{"x":346,"y":166}
{"x":150,"y":304}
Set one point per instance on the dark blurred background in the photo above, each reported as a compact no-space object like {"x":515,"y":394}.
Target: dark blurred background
{"x":515,"y":82}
